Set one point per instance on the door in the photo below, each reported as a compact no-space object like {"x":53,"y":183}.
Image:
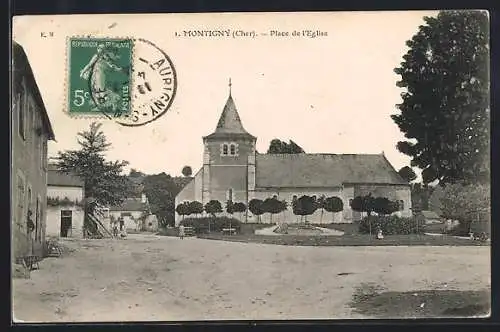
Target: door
{"x":66,"y":222}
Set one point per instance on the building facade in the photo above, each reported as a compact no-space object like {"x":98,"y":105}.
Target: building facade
{"x":233,"y":170}
{"x":65,"y":211}
{"x":133,"y":211}
{"x":30,"y":131}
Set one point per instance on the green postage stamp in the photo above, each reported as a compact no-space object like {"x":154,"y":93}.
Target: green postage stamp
{"x":100,"y":76}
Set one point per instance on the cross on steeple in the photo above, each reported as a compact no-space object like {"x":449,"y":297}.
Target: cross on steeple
{"x":230,"y":85}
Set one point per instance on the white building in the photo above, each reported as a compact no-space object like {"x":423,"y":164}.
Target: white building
{"x":65,"y":213}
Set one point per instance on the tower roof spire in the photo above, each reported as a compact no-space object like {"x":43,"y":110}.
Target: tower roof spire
{"x":229,"y":122}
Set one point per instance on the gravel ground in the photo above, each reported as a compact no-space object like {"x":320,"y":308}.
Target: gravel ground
{"x":157,"y":278}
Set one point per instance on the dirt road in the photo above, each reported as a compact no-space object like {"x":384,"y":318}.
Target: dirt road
{"x":147,"y":277}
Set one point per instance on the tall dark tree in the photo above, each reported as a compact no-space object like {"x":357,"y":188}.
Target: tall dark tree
{"x":187,"y":171}
{"x":103,"y":180}
{"x":407,"y":174}
{"x":277,"y":146}
{"x":161,"y":189}
{"x":445,"y":110}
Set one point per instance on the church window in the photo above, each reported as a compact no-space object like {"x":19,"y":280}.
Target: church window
{"x":224,"y":149}
{"x":233,"y":149}
{"x":229,"y":194}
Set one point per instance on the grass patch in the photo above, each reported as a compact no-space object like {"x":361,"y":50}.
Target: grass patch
{"x":370,"y":300}
{"x":346,"y":240}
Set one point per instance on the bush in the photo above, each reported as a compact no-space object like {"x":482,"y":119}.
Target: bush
{"x":391,"y":225}
{"x":200,"y":225}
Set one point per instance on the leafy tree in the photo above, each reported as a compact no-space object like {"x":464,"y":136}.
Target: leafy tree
{"x":230,"y":207}
{"x":320,"y":204}
{"x":277,"y":146}
{"x":364,"y":204}
{"x":239,"y":207}
{"x":187,"y":171}
{"x":255,"y":206}
{"x":161,"y":189}
{"x":272,"y":206}
{"x":384,"y":206}
{"x":407,"y":174}
{"x":183,"y":209}
{"x":135,"y":173}
{"x":445,"y":110}
{"x":333,"y":204}
{"x":304,"y":206}
{"x":104,"y":182}
{"x":466,"y":203}
{"x":196,"y":208}
{"x":212,"y":207}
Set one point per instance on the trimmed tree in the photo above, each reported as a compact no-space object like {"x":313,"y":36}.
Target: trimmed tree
{"x":239,"y":207}
{"x":196,"y":208}
{"x":187,"y":171}
{"x":213,"y":207}
{"x":320,"y":204}
{"x":333,"y":204}
{"x":272,"y":206}
{"x":255,"y":206}
{"x":304,"y":206}
{"x":364,"y":204}
{"x":182,"y":209}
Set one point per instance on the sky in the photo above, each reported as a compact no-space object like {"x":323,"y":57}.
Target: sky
{"x":330,"y":94}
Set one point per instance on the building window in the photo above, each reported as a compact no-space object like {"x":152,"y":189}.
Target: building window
{"x":20,"y":200}
{"x":44,"y":154}
{"x":41,"y":228}
{"x":229,"y":195}
{"x":350,"y":202}
{"x":229,"y":149}
{"x":21,"y":117}
{"x":37,"y":220}
{"x":224,"y":149}
{"x":401,"y":205}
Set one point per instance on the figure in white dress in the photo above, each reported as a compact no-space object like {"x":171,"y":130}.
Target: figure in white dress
{"x":100,"y":65}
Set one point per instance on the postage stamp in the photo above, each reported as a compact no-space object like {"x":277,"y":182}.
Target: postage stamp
{"x":99,"y":79}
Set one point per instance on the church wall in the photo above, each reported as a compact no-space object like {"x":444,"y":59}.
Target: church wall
{"x":191,"y":192}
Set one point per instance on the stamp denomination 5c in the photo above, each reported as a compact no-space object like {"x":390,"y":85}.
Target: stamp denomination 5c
{"x":99,"y":80}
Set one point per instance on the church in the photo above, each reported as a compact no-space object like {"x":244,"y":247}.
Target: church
{"x":233,"y":170}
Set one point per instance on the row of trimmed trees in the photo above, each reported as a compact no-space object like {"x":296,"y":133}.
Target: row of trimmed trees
{"x":302,"y":206}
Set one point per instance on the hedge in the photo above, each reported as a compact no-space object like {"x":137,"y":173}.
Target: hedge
{"x":200,"y":225}
{"x":391,"y":225}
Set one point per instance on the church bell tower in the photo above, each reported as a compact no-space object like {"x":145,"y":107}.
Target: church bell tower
{"x":227,"y":152}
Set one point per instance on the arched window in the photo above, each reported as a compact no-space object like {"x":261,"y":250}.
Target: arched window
{"x":232,"y":150}
{"x":224,"y":149}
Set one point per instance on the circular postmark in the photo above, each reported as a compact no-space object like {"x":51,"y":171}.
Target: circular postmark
{"x":149,"y":91}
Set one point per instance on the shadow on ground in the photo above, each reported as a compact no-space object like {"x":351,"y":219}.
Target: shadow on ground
{"x":372,"y":301}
